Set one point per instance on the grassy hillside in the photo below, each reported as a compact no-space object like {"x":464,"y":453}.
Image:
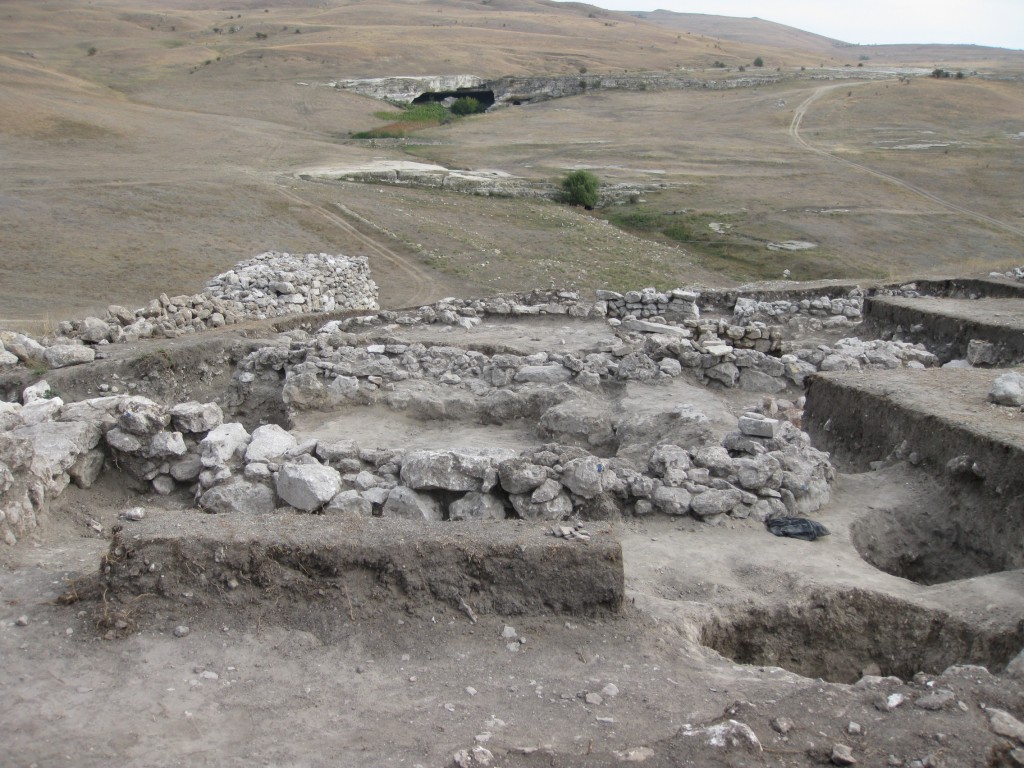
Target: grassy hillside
{"x":151,"y":145}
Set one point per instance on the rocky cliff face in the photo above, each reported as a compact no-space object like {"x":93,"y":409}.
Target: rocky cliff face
{"x":406,"y":89}
{"x":521,"y":90}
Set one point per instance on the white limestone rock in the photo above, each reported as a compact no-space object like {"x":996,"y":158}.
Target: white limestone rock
{"x":64,"y":355}
{"x":477,"y":506}
{"x":409,"y":504}
{"x":269,"y":442}
{"x":307,"y":486}
{"x":193,"y":416}
{"x":1008,"y":389}
{"x":239,"y":496}
{"x":224,"y":444}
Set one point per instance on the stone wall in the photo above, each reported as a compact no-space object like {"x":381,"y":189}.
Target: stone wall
{"x":271,"y":284}
{"x":766,"y":468}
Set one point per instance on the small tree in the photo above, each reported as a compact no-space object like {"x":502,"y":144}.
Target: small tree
{"x":581,"y":188}
{"x":758,"y":62}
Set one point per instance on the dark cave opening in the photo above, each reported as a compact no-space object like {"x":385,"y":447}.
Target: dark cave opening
{"x":485,"y":97}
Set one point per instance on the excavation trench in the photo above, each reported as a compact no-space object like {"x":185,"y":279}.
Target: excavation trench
{"x":839,"y":635}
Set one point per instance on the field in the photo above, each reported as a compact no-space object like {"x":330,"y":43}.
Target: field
{"x":147,"y":150}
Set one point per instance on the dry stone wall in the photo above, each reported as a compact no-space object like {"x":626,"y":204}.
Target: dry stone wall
{"x":765,"y":468}
{"x":271,"y":284}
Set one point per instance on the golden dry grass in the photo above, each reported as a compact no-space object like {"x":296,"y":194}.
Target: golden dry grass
{"x":169,"y":153}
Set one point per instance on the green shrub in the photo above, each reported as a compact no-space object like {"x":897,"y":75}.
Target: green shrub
{"x":466,"y":105}
{"x":758,"y":62}
{"x":581,"y":188}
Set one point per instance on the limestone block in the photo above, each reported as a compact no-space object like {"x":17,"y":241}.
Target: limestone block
{"x":412,"y":505}
{"x":269,"y":442}
{"x":307,"y":486}
{"x":239,"y":496}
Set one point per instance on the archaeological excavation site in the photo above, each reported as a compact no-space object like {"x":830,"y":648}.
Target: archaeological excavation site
{"x":781,"y":524}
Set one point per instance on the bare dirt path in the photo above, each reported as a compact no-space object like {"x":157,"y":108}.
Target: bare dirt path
{"x":418,"y":285}
{"x":794,"y":132}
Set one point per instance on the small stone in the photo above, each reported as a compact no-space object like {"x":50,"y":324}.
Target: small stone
{"x":471,"y":690}
{"x":936,"y":701}
{"x":21,"y":621}
{"x":843,"y":755}
{"x":134,"y":513}
{"x":594,"y":699}
{"x":509,"y":633}
{"x":208,"y":675}
{"x":890,"y":702}
{"x":512,"y":647}
{"x":610,"y":691}
{"x":181,"y":631}
{"x":782,"y":725}
{"x":854,"y":729}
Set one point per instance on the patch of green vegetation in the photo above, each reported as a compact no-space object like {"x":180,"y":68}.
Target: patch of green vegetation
{"x":172,"y":43}
{"x":417,"y":113}
{"x":739,"y":255}
{"x":388,"y":132}
{"x":581,"y":188}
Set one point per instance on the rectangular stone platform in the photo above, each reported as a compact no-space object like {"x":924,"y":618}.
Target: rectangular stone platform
{"x":310,"y":568}
{"x":946,"y":326}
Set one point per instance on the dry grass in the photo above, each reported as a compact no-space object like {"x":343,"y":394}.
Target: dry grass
{"x":165,"y":157}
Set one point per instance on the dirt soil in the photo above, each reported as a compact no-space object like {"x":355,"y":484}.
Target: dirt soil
{"x":413,"y":684}
{"x":413,"y":680}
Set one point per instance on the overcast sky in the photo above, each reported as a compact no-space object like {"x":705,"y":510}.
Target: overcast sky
{"x":983,"y":22}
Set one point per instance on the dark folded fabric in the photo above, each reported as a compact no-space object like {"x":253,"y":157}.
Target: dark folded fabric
{"x":797,"y":528}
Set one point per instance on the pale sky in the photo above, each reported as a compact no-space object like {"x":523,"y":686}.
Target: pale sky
{"x":982,"y":22}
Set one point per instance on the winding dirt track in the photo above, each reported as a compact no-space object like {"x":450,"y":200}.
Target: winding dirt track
{"x":794,"y":132}
{"x":420,"y":287}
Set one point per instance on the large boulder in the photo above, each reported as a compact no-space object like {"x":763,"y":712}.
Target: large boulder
{"x":194,"y":416}
{"x":577,"y":422}
{"x":448,"y":470}
{"x":94,"y":330}
{"x":557,"y":508}
{"x":238,"y":496}
{"x":587,"y":477}
{"x":101,"y":411}
{"x":56,"y":446}
{"x":672,"y":500}
{"x":670,"y":463}
{"x":141,"y":416}
{"x":1008,"y":389}
{"x":553,"y":373}
{"x":477,"y":506}
{"x":63,"y":355}
{"x":166,"y":444}
{"x":308,"y":486}
{"x":223,"y":444}
{"x":412,"y":505}
{"x":269,"y":442}
{"x":715,"y":502}
{"x":350,"y":503}
{"x":520,"y":475}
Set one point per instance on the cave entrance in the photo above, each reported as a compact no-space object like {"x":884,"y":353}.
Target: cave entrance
{"x":485,"y":97}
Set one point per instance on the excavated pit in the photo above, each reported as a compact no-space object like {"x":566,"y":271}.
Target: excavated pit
{"x":840,"y":635}
{"x":933,"y":545}
{"x":941,"y":421}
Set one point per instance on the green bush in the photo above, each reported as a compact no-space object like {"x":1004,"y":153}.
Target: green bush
{"x":758,"y":62}
{"x":581,"y":188}
{"x":466,"y":105}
